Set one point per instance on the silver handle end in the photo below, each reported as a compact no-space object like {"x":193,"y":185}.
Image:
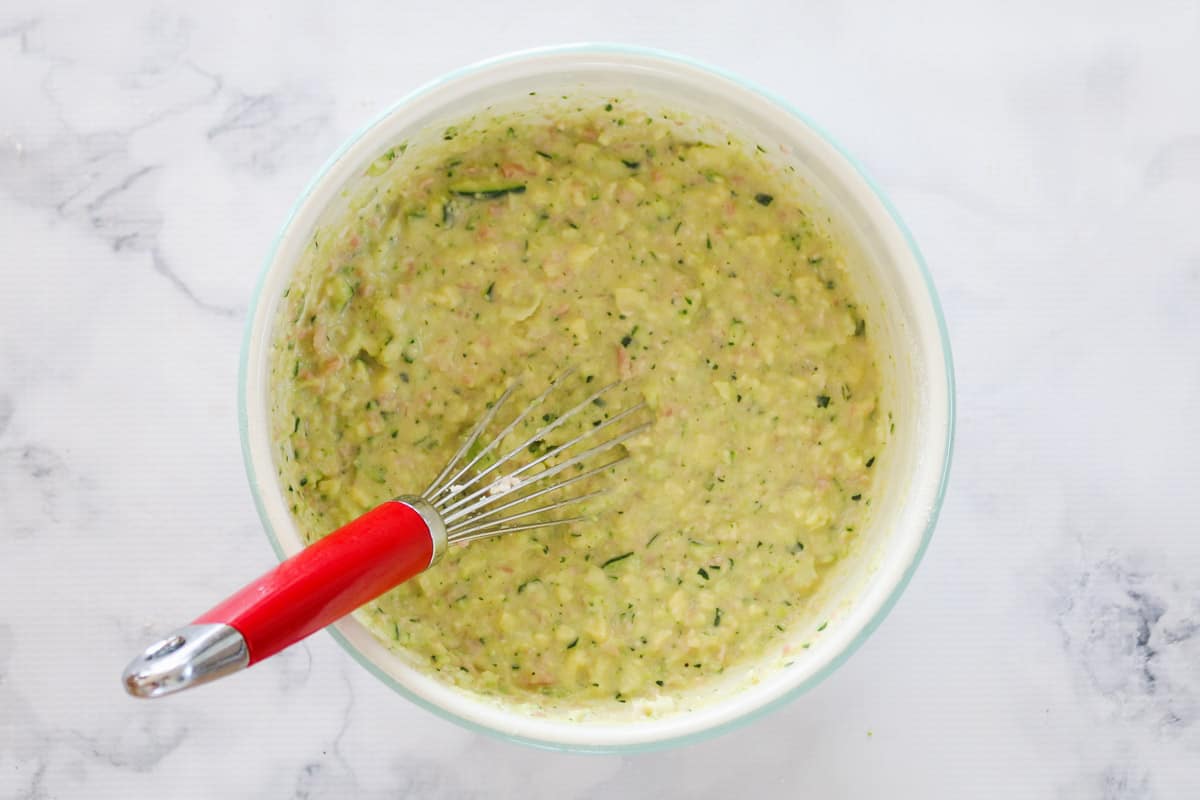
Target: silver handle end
{"x":190,"y":656}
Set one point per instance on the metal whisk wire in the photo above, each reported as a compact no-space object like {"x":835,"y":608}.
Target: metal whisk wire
{"x":468,"y":507}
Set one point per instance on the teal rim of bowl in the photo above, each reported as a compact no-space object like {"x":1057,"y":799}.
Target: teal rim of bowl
{"x":898,"y":589}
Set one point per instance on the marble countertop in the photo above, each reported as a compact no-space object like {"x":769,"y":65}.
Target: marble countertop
{"x":1048,"y":161}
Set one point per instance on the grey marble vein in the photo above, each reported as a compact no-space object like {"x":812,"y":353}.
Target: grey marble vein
{"x":1176,"y":160}
{"x":164,"y":269}
{"x":6,"y":413}
{"x":260,"y":132}
{"x":19,"y":30}
{"x":1133,"y":629}
{"x":31,"y":479}
{"x":139,"y":747}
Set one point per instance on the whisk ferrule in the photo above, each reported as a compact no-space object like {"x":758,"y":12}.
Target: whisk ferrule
{"x":432,"y":519}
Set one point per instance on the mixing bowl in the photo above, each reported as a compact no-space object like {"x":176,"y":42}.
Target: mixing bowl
{"x":896,"y":297}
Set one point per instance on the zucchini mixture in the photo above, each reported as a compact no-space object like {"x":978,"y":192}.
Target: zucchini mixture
{"x":628,"y":244}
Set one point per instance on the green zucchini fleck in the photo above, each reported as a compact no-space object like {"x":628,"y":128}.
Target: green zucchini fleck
{"x":486,"y":191}
{"x":615,"y":559}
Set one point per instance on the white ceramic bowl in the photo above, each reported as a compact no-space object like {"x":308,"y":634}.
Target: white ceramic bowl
{"x":893,"y":287}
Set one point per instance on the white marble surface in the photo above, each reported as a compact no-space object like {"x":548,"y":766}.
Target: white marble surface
{"x":1049,"y":163}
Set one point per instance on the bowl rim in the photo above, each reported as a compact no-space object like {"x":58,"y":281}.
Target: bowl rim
{"x":670,"y":59}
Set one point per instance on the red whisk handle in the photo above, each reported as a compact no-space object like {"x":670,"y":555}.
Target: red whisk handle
{"x":328,"y":579}
{"x":314,"y":588}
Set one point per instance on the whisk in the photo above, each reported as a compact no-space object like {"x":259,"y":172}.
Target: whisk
{"x":470,"y":499}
